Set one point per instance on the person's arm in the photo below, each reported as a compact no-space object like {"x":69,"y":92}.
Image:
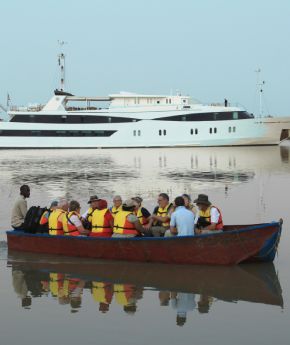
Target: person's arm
{"x":166,"y":218}
{"x":77,"y":222}
{"x":173,"y":228}
{"x":214,"y":216}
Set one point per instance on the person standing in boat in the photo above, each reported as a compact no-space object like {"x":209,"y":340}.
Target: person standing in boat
{"x":55,"y":219}
{"x":141,"y":212}
{"x":19,"y":209}
{"x":182,"y":220}
{"x":71,"y":221}
{"x":102,"y":220}
{"x":209,"y":216}
{"x":87,"y":216}
{"x":117,"y":201}
{"x":160,"y":220}
{"x":126,"y":223}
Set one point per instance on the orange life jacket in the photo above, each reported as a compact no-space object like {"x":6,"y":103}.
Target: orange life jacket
{"x":99,"y":223}
{"x":69,"y":228}
{"x":55,"y":222}
{"x":122,"y":225}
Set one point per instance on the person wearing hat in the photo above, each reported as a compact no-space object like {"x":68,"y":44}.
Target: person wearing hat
{"x":141,"y":212}
{"x":126,"y":223}
{"x":209,"y":216}
{"x":87,"y":216}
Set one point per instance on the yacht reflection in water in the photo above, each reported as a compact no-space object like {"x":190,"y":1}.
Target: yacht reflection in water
{"x":183,"y":288}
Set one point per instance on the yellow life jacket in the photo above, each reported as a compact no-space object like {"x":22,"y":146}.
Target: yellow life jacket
{"x":115,"y":210}
{"x":163,"y":212}
{"x":69,"y":228}
{"x":123,"y":295}
{"x":55,"y":283}
{"x":204,"y":218}
{"x":90,"y":215}
{"x":122,"y":225}
{"x":140,"y":216}
{"x":100,"y":294}
{"x":54,"y":224}
{"x":99,"y":223}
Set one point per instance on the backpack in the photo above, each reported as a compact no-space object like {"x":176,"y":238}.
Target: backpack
{"x":32,"y":218}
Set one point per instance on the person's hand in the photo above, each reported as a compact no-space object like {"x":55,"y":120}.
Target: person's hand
{"x":146,"y":226}
{"x":198,"y":231}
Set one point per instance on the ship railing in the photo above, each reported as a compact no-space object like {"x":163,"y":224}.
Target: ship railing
{"x":33,"y":108}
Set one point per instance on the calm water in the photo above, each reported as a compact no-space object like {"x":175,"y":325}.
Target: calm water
{"x":47,"y":299}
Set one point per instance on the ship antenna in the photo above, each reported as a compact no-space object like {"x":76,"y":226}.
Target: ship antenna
{"x":260,"y":85}
{"x":61,"y":63}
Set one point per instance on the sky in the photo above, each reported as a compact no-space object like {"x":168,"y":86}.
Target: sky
{"x":208,"y":49}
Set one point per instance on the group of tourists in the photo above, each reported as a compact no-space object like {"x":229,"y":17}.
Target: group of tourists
{"x":125,"y":218}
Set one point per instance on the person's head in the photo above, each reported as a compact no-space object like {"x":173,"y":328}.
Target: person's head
{"x":179,"y":201}
{"x":104,"y":307}
{"x":117,"y":201}
{"x":138,"y":201}
{"x":202,"y":202}
{"x":163,"y":200}
{"x":102,"y":204}
{"x":94,"y":201}
{"x":63,"y":204}
{"x":129,"y":205}
{"x":53,"y":205}
{"x":25,"y":191}
{"x":74,"y":206}
{"x":187,"y":199}
{"x":180,"y":319}
{"x":130,"y":309}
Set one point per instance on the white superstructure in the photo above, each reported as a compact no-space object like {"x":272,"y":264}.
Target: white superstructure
{"x":136,"y":120}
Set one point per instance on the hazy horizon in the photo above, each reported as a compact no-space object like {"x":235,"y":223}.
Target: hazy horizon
{"x":206,"y":49}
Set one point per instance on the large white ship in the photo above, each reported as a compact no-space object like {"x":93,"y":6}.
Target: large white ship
{"x":136,"y":120}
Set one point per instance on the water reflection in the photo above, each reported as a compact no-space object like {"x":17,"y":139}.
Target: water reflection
{"x":183,"y":289}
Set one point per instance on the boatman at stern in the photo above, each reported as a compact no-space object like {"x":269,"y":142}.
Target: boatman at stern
{"x":209,"y":216}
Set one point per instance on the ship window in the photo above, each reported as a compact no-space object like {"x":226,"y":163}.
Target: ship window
{"x":234,"y":129}
{"x":139,"y":133}
{"x":134,"y":133}
{"x":230,"y":129}
{"x":166,"y":101}
{"x":53,"y":133}
{"x":164,"y":131}
{"x":183,"y":118}
{"x":235,"y":115}
{"x":196,"y":131}
{"x":215,"y":130}
{"x":160,"y":132}
{"x":191,"y":131}
{"x":169,"y":100}
{"x":210,"y":130}
{"x":158,"y":102}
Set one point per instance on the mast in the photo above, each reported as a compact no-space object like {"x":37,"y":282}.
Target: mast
{"x":61,"y":63}
{"x":260,"y":85}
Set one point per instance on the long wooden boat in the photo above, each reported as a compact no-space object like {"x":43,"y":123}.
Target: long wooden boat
{"x":229,"y":247}
{"x":252,"y":283}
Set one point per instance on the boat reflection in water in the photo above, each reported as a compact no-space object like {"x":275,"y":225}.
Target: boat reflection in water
{"x":183,"y":288}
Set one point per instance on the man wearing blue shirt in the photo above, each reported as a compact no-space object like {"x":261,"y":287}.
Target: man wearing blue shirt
{"x":182,"y":220}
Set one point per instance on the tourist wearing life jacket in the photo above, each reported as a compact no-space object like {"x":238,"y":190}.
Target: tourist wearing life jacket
{"x":72,"y":225}
{"x":103,"y":294}
{"x":141,"y":212}
{"x":87,"y":216}
{"x":102,"y":220}
{"x":44,"y":217}
{"x":126,"y":223}
{"x":55,"y":219}
{"x":125,"y":296}
{"x":209,"y":216}
{"x":160,"y":220}
{"x":117,"y":205}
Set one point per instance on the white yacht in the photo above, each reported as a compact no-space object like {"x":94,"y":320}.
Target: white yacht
{"x":136,"y":120}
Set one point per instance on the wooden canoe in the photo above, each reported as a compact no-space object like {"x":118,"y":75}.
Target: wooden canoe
{"x":227,"y":248}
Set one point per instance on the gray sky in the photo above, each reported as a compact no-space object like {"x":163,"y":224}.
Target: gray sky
{"x":208,"y":49}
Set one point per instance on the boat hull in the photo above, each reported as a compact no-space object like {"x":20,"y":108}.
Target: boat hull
{"x":226,"y":248}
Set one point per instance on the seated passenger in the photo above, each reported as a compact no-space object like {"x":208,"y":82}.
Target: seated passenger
{"x":126,"y":223}
{"x":19,"y":209}
{"x":55,"y":226}
{"x":72,"y":225}
{"x":102,"y":220}
{"x":141,"y":212}
{"x":44,"y":218}
{"x":182,"y":220}
{"x":188,"y":204}
{"x":87,"y":216}
{"x":209,"y":217}
{"x":161,"y":216}
{"x":117,"y":201}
